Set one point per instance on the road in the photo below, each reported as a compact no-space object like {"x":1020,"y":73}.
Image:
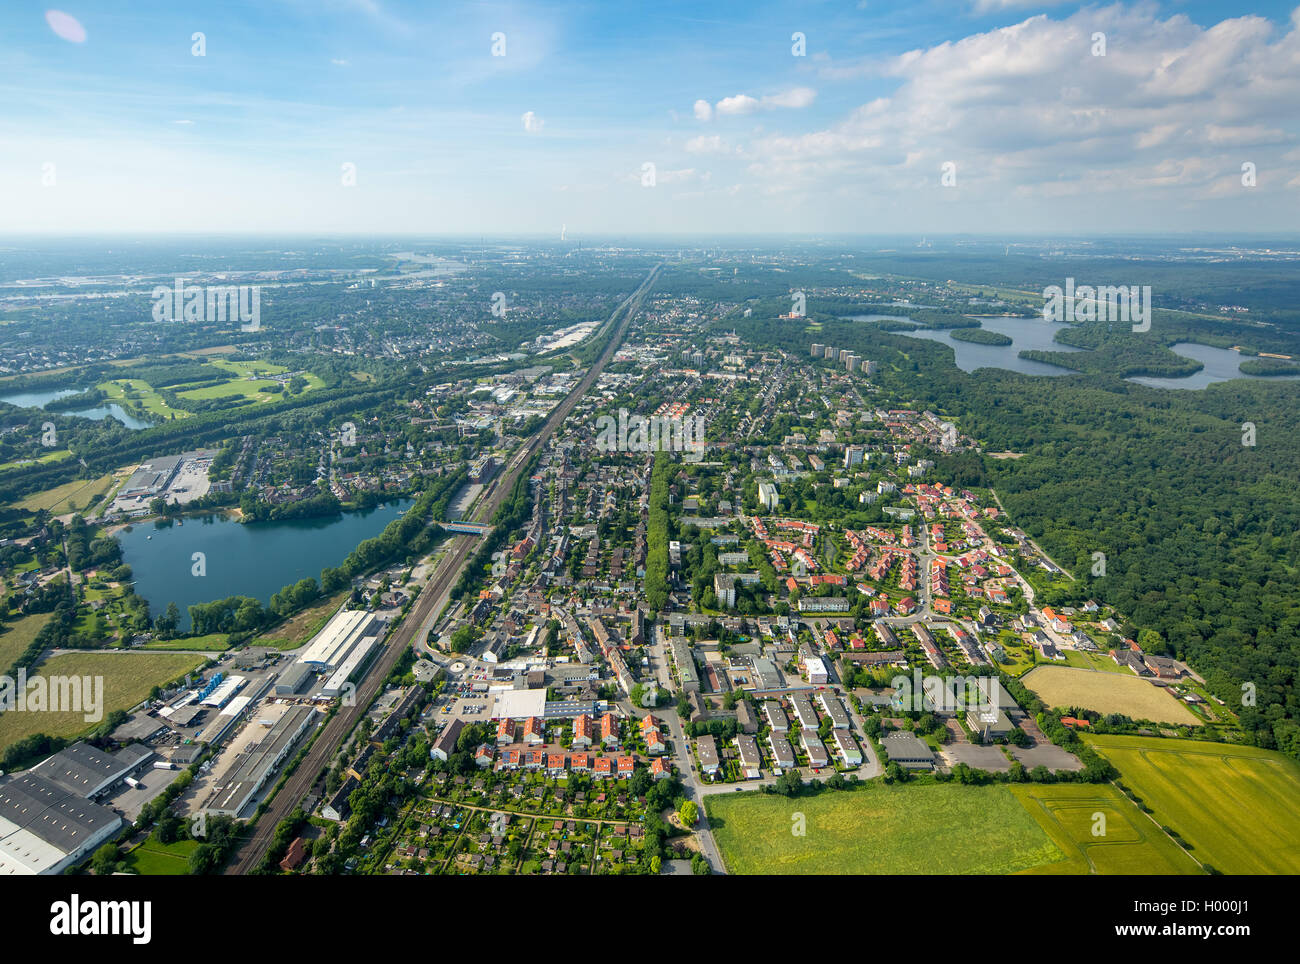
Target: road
{"x":426,"y":607}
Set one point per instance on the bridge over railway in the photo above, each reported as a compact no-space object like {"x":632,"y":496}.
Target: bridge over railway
{"x":473,"y":528}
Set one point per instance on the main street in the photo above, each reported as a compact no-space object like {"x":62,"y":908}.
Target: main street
{"x":427,"y":606}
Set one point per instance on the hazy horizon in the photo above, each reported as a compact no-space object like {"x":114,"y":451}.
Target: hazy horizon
{"x":383,"y":117}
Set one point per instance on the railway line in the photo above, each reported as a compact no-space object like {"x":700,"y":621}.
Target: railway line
{"x":250,"y":850}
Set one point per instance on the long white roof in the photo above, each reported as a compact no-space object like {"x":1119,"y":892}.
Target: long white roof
{"x":331,"y":645}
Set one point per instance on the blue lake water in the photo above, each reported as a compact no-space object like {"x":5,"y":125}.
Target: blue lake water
{"x":1025,"y":333}
{"x":1221,"y":364}
{"x":40,"y":399}
{"x":257,"y":559}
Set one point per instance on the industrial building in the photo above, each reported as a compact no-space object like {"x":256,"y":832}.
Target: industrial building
{"x":45,"y":828}
{"x":331,"y":647}
{"x":88,"y":773}
{"x":255,"y":765}
{"x":225,"y":690}
{"x":293,"y":679}
{"x":360,"y":654}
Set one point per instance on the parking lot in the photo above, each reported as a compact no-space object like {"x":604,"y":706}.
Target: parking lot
{"x":989,"y":758}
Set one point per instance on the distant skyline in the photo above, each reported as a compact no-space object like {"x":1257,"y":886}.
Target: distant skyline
{"x":110,"y":122}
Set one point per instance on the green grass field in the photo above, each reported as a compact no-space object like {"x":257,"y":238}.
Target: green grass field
{"x":1127,"y":843}
{"x":304,"y":625}
{"x":60,"y":500}
{"x":124,"y":390}
{"x":18,"y":635}
{"x":57,"y":455}
{"x":211,"y":643}
{"x":1101,"y":662}
{"x":1236,"y":805}
{"x":882,"y":829}
{"x":156,"y":859}
{"x":128,"y":678}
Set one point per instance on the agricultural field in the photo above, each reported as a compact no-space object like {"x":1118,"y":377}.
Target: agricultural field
{"x":882,"y":829}
{"x":18,"y":636}
{"x":1129,"y":844}
{"x":1107,"y":693}
{"x":61,"y":500}
{"x":1234,"y":804}
{"x":128,"y":678}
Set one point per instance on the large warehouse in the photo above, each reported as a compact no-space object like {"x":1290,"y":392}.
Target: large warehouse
{"x":252,"y":769}
{"x":47,"y":822}
{"x":330,"y":648}
{"x":82,"y":770}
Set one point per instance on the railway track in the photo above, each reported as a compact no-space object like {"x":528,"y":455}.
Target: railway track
{"x":249,"y":852}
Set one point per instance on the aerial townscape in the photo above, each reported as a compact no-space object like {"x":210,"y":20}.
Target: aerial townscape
{"x":355,"y":552}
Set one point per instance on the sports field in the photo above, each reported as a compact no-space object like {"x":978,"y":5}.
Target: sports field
{"x":1107,"y":693}
{"x":128,"y":678}
{"x":1101,"y":831}
{"x":881,"y":829}
{"x":1236,"y":805}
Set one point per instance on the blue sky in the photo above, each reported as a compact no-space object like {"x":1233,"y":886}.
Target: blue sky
{"x":124,"y":129}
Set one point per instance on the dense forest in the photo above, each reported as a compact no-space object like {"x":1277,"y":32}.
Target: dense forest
{"x":1200,"y":528}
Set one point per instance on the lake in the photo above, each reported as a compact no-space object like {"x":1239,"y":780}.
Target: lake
{"x":1025,"y":333}
{"x":98,"y":413}
{"x":1221,"y":364}
{"x":258,"y":559}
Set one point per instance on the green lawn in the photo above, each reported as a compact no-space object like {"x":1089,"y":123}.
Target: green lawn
{"x":1101,"y":662}
{"x":211,"y":643}
{"x":882,"y":829}
{"x":156,"y":859}
{"x":58,"y":455}
{"x":1236,"y":805}
{"x":1128,"y":842}
{"x":128,"y":391}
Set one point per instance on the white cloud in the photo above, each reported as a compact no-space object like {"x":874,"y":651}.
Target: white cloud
{"x":66,"y":26}
{"x":532,"y":123}
{"x":997,"y":6}
{"x":339,"y":62}
{"x":1027,"y":110}
{"x":796,"y":97}
{"x":703,"y":110}
{"x":739,"y":104}
{"x":707,"y":144}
